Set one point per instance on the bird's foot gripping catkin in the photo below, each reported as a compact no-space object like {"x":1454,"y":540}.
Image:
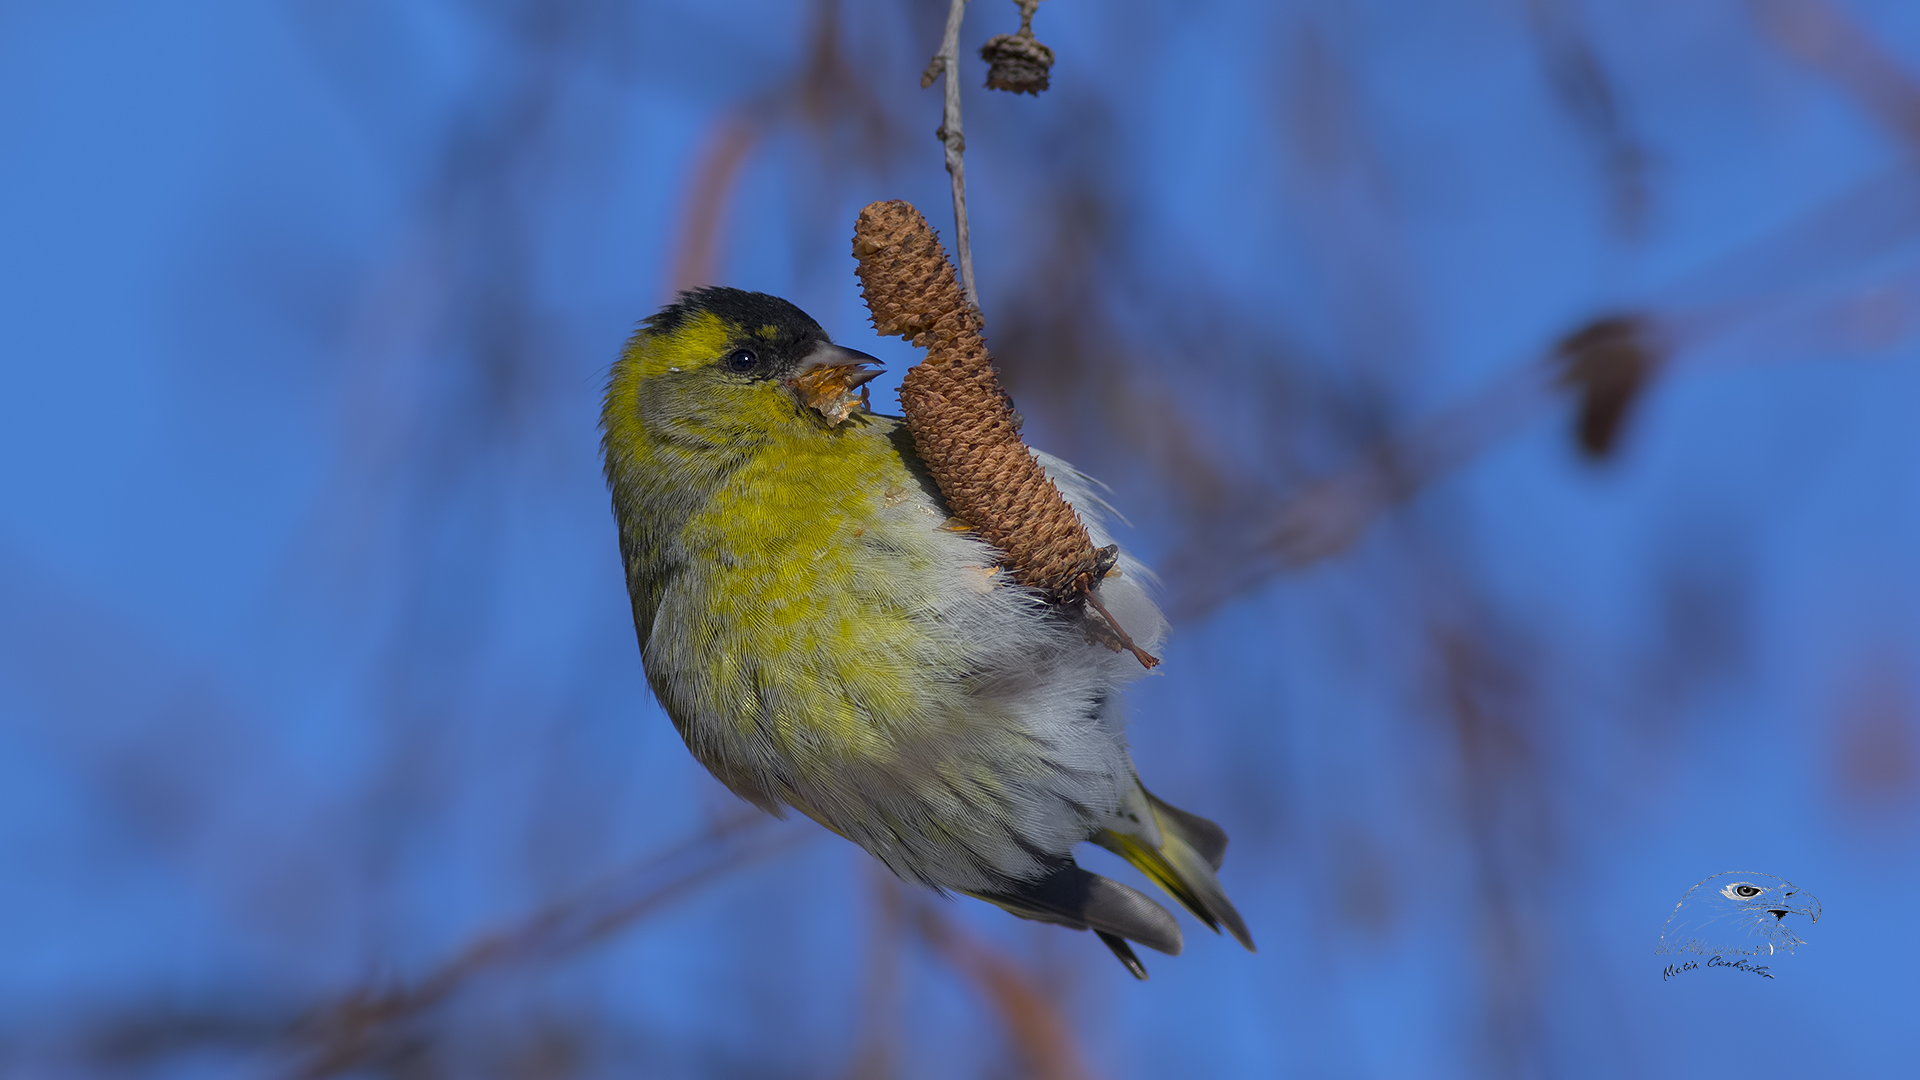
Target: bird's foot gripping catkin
{"x":962,"y":422}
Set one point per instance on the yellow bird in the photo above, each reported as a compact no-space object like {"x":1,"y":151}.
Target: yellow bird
{"x":826,"y":636}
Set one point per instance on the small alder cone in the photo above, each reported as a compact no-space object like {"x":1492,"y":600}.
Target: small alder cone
{"x":961,"y":420}
{"x":1017,"y":63}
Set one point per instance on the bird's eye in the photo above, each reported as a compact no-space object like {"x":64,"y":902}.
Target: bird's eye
{"x":1746,"y":891}
{"x":742,"y":361}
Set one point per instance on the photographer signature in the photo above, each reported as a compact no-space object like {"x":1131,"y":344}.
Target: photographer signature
{"x":1716,"y":961}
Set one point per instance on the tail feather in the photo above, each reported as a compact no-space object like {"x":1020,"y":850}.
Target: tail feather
{"x":1082,"y":900}
{"x":1124,"y":952}
{"x":1208,"y":840}
{"x":1190,"y":849}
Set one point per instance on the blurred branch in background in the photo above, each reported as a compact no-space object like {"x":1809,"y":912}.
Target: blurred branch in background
{"x":1796,"y":294}
{"x":1876,"y":763}
{"x":1576,"y":74}
{"x":877,"y":1048}
{"x":831,"y":97}
{"x":1028,"y":1012}
{"x":1824,"y":37}
{"x":1497,"y":729}
{"x":695,"y":264}
{"x":368,"y":1025}
{"x":1039,"y":1033}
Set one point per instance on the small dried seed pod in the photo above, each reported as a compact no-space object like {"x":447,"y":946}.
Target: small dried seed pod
{"x":1017,"y":63}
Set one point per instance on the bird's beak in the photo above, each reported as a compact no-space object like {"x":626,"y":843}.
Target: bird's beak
{"x":831,"y":381}
{"x":1805,"y":903}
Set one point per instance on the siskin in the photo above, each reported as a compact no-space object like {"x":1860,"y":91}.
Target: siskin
{"x":826,"y":636}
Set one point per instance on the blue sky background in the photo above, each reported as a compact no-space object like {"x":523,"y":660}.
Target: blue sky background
{"x":316,"y":667}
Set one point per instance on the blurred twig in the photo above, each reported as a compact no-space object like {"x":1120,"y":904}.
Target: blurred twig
{"x":878,"y":1046}
{"x":696,"y":258}
{"x":355,"y":1029}
{"x":1578,"y":77}
{"x":1040,"y":1034}
{"x":1606,"y":365}
{"x":1492,"y":719}
{"x":1876,"y":738}
{"x":1827,"y":39}
{"x":827,"y":95}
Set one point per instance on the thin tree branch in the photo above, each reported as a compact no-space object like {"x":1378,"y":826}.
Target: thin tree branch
{"x":697,"y":259}
{"x":1027,"y":8}
{"x":347,"y":1033}
{"x":947,"y":62}
{"x":1035,"y":1023}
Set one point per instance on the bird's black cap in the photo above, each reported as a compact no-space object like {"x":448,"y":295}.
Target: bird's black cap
{"x":751,"y":310}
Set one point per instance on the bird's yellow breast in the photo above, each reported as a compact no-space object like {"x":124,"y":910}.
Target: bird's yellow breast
{"x":809,"y":616}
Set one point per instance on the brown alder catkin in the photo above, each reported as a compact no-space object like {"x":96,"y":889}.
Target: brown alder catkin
{"x":962,"y":422}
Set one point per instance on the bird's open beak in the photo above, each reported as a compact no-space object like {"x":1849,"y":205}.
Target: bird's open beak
{"x":832,"y":380}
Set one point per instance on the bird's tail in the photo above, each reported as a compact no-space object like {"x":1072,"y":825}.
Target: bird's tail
{"x":1072,"y":897}
{"x":1183,"y":861}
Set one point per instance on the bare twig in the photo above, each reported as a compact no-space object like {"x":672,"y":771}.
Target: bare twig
{"x":947,"y":62}
{"x":1826,"y":38}
{"x":1771,"y":288}
{"x":1576,"y":74}
{"x":880,"y":1012}
{"x":1034,"y":1022}
{"x":696,"y":260}
{"x":1027,"y":8}
{"x":349,"y":1032}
